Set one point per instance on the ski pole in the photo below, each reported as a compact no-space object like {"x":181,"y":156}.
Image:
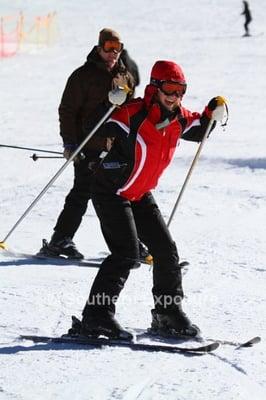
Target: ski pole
{"x":117,"y":97}
{"x":217,"y":115}
{"x":29,"y":148}
{"x":36,"y":157}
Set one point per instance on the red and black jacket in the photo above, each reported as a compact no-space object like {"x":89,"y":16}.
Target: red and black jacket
{"x":143,"y":147}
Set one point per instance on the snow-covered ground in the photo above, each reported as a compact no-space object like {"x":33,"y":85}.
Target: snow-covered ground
{"x":219,"y":225}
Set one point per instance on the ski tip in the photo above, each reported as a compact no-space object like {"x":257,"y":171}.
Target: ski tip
{"x":250,"y":342}
{"x":212,"y":346}
{"x":3,"y":246}
{"x":205,"y":348}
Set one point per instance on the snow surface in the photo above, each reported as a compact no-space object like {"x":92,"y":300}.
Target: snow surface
{"x":219,"y":225}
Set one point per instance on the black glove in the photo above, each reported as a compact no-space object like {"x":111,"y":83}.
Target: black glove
{"x":213,"y":103}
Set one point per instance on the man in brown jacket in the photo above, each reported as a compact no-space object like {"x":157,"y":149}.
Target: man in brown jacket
{"x":83,"y":104}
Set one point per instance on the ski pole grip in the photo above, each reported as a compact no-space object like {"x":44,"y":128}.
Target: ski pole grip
{"x":118,"y":95}
{"x":219,"y":112}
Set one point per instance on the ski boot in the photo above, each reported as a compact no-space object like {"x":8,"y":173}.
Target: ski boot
{"x":62,"y":247}
{"x":95,"y":326}
{"x":175,"y":323}
{"x":75,"y":328}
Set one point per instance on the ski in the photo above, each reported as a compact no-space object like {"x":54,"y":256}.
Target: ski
{"x":93,"y":262}
{"x":60,"y":260}
{"x":136,"y":346}
{"x":254,"y":35}
{"x":42,"y":260}
{"x":237,"y":344}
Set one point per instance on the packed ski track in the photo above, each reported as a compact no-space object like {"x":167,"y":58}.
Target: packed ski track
{"x":219,"y":226}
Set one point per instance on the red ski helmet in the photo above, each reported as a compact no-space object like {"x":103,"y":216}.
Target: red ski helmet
{"x":167,"y":71}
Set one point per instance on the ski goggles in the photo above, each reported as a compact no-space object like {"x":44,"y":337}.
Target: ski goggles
{"x":170,"y":87}
{"x":112,"y":45}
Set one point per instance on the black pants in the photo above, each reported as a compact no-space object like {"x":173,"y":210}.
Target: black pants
{"x":120,"y":221}
{"x":76,"y":201}
{"x":246,"y":24}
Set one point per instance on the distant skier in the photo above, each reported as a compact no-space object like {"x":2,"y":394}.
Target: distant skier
{"x":248,"y":18}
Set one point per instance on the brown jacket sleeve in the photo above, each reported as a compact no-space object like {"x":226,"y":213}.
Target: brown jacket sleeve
{"x":70,"y":107}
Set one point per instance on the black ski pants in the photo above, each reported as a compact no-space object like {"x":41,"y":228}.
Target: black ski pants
{"x":76,"y":201}
{"x":122,"y":222}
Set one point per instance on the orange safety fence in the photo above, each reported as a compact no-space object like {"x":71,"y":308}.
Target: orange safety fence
{"x":9,"y":39}
{"x":16,"y":34}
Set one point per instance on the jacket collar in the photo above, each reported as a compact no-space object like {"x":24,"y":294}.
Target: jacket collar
{"x":156,"y":115}
{"x":94,"y":58}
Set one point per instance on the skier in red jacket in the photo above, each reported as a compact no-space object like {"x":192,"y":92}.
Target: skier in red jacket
{"x":146,"y":133}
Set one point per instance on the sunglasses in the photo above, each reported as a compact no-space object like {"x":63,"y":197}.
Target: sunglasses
{"x":112,"y":45}
{"x":170,"y":87}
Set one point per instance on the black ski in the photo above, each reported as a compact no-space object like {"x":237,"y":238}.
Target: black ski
{"x":237,"y":344}
{"x":60,"y":260}
{"x":94,"y":262}
{"x":101,"y":342}
{"x":42,"y":260}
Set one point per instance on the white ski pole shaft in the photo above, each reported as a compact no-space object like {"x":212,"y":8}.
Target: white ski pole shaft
{"x":30,"y":148}
{"x":217,"y":115}
{"x":190,"y":171}
{"x":59,"y":172}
